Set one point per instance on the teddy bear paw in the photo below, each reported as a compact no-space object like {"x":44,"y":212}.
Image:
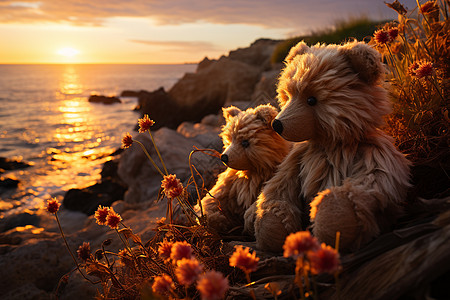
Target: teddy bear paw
{"x":346,"y":209}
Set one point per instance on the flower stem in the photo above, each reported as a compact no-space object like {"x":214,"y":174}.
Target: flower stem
{"x":70,"y":251}
{"x":157,"y":151}
{"x":252,"y":292}
{"x":298,"y":277}
{"x":149,"y":157}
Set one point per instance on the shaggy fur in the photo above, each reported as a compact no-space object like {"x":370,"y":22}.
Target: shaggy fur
{"x":343,"y":166}
{"x":253,"y":152}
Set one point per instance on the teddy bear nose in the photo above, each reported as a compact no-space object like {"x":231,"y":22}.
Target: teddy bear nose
{"x":277,"y":126}
{"x":224,"y":158}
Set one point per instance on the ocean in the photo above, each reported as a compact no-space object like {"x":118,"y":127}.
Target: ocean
{"x":47,"y":121}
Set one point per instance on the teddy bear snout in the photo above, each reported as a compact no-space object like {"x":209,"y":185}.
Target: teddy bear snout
{"x":224,"y":158}
{"x":277,"y":126}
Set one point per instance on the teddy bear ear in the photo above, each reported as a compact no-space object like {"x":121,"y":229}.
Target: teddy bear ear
{"x":364,"y":60}
{"x":230,"y":112}
{"x":266,"y":113}
{"x":299,"y":49}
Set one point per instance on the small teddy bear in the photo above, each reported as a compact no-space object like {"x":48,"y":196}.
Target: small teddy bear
{"x":342,"y":165}
{"x":252,"y":153}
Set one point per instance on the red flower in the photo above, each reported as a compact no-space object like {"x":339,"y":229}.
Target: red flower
{"x":242,"y":259}
{"x":188,"y":271}
{"x":425,"y":69}
{"x":53,"y":205}
{"x":381,"y":36}
{"x":299,"y":243}
{"x":412,"y":69}
{"x":84,"y":251}
{"x":165,"y":249}
{"x":393,"y":33}
{"x":145,"y":123}
{"x":212,"y":286}
{"x":100,"y":215}
{"x":324,"y":260}
{"x":113,"y":219}
{"x":428,"y":7}
{"x":180,"y":250}
{"x":127,"y":140}
{"x":162,"y":284}
{"x":171,"y":186}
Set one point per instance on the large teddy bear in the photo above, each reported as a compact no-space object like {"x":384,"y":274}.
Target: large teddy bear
{"x":252,"y":153}
{"x":344,"y":173}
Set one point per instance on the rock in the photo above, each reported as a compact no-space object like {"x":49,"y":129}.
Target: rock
{"x":128,"y":93}
{"x":213,"y":86}
{"x":109,"y":170}
{"x":258,"y":54}
{"x":33,"y":270}
{"x":21,"y":219}
{"x":142,"y":178}
{"x":162,"y":109}
{"x":11,"y":164}
{"x":8,"y":183}
{"x":204,"y":64}
{"x":88,"y":199}
{"x":266,"y":89}
{"x":103,"y":99}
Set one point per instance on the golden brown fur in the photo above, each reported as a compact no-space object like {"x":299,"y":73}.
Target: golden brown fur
{"x":343,"y":165}
{"x":249,"y":165}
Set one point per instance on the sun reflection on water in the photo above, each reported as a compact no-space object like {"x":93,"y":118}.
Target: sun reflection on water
{"x":76,"y":153}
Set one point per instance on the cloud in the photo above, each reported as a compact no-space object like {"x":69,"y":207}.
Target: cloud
{"x":265,"y":13}
{"x":180,"y":45}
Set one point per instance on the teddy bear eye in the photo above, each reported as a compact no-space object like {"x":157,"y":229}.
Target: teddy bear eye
{"x":311,"y":101}
{"x":245,"y":143}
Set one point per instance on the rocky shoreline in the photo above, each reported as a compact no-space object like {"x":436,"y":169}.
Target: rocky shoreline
{"x":32,"y":254}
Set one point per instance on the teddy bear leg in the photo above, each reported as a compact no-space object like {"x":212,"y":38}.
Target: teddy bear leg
{"x":249,"y":220}
{"x":351,"y":210}
{"x":274,"y":222}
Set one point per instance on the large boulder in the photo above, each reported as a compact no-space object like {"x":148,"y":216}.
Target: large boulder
{"x":258,"y":54}
{"x":214,"y":85}
{"x":266,"y":89}
{"x":163,"y":109}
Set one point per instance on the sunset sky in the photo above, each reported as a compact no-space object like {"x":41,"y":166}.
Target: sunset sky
{"x":158,"y":31}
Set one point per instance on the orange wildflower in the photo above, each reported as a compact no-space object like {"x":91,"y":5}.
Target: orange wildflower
{"x":212,"y":286}
{"x":425,"y":69}
{"x":145,"y":123}
{"x":299,"y":243}
{"x":188,"y":271}
{"x":393,"y":33}
{"x":113,"y":219}
{"x":171,"y":186}
{"x":324,"y":260}
{"x":242,"y":259}
{"x":84,"y":251}
{"x":165,"y":249}
{"x":381,"y":36}
{"x":53,"y":205}
{"x":163,"y":284}
{"x":180,"y":250}
{"x":100,"y":215}
{"x":127,"y":140}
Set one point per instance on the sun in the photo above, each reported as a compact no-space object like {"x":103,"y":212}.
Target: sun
{"x":68,"y":52}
